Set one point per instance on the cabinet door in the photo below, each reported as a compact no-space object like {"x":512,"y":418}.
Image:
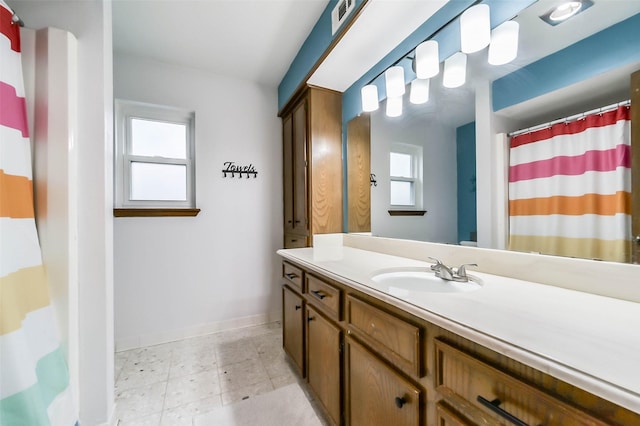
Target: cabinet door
{"x":300,"y":221}
{"x":377,"y":394}
{"x":323,"y":362}
{"x":292,"y":327}
{"x":287,"y":170}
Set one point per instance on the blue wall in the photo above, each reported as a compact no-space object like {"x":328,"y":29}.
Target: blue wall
{"x":609,"y":49}
{"x":466,"y":160}
{"x":312,"y":49}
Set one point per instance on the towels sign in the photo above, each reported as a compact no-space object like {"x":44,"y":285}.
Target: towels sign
{"x":230,"y":167}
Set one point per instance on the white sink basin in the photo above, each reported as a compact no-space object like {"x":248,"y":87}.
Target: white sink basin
{"x":403,"y":282}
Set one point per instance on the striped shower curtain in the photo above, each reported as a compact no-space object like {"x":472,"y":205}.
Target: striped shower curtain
{"x":570,"y":188}
{"x":34,"y":378}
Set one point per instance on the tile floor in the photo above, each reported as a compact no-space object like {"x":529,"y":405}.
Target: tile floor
{"x":169,"y":384}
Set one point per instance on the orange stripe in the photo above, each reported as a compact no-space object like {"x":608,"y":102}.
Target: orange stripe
{"x":587,"y":248}
{"x":21,"y":292}
{"x":16,"y":196}
{"x":604,"y":205}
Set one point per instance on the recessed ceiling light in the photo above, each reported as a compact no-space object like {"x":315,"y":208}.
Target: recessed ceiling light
{"x":565,"y":10}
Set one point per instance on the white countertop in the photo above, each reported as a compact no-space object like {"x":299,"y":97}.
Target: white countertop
{"x":590,"y":341}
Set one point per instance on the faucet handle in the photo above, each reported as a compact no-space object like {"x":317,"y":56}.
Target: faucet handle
{"x":462,"y":270}
{"x":437,"y":265}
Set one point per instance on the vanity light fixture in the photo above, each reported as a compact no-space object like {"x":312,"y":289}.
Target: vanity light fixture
{"x":419,"y":91}
{"x":504,"y":43}
{"x":475,"y":28}
{"x":455,"y":70}
{"x":565,"y":10}
{"x":394,"y":81}
{"x":394,"y":106}
{"x":427,"y":60}
{"x":369,"y":94}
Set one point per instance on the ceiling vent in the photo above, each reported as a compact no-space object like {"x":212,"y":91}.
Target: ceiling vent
{"x":340,"y":13}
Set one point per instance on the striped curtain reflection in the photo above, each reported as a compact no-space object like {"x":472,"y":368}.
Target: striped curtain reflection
{"x":34,"y":379}
{"x":570,"y":188}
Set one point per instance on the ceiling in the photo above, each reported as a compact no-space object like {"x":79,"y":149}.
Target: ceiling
{"x":253,"y":40}
{"x":257,"y":40}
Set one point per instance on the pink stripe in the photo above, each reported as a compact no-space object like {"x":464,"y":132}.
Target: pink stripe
{"x":601,"y":161}
{"x":13,"y":109}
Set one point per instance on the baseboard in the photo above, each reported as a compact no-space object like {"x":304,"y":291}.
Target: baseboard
{"x":135,"y":342}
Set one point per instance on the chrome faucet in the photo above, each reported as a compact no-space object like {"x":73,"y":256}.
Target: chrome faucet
{"x":448,"y":274}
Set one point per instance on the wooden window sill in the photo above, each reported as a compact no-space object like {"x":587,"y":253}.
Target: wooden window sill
{"x":407,"y":212}
{"x":120,"y":212}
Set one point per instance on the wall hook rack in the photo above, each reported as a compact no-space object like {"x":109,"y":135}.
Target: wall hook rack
{"x":372,"y":178}
{"x":230,"y":167}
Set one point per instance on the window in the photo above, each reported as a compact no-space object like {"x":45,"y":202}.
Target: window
{"x":154,"y":161}
{"x":405,"y":171}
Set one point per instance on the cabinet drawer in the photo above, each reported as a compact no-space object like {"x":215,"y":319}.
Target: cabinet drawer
{"x":447,"y":417}
{"x":495,"y":394}
{"x":294,"y":241}
{"x":400,"y":340}
{"x":292,"y":275}
{"x":324,"y":295}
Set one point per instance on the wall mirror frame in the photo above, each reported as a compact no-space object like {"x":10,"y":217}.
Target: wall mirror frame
{"x":492,"y":103}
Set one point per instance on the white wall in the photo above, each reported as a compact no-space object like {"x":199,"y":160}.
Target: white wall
{"x":177,"y":277}
{"x":440,"y":223}
{"x":90,"y":23}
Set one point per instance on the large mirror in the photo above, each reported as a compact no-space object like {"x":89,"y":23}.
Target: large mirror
{"x":444,"y":129}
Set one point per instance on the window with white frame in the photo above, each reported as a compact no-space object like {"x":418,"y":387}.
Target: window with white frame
{"x":155,"y":156}
{"x":405,"y":172}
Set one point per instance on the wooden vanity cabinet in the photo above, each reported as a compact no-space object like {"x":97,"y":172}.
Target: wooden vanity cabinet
{"x":436,"y":374}
{"x":312,"y":165}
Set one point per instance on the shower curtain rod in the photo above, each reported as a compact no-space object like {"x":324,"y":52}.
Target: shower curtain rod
{"x":570,"y":118}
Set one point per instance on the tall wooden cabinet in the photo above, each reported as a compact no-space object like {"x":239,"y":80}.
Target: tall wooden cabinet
{"x":312,"y":165}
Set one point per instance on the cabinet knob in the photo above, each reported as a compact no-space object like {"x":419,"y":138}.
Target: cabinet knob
{"x":298,"y":307}
{"x":400,"y":402}
{"x":310,"y":319}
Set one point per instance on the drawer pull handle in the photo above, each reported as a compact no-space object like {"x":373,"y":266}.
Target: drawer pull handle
{"x":317,"y":293}
{"x":291,"y":275}
{"x":298,"y":307}
{"x":400,"y":402}
{"x":495,"y":407}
